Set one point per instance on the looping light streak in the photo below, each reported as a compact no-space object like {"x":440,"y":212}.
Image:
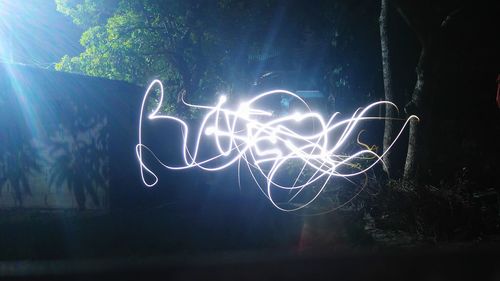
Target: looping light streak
{"x":266,"y":144}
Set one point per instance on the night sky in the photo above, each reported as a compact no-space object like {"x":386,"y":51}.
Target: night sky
{"x":34,"y":33}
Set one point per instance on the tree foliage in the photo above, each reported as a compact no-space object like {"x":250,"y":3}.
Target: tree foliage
{"x":202,"y":47}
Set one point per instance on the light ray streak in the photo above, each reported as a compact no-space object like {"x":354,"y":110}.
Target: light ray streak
{"x":267,"y":144}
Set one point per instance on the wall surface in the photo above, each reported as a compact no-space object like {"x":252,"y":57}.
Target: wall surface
{"x":61,"y":135}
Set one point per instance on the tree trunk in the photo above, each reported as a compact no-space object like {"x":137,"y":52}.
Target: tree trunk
{"x":390,"y":112}
{"x":187,"y":89}
{"x":415,"y":156}
{"x":79,"y":192}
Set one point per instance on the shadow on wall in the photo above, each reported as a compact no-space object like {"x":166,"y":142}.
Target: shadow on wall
{"x":66,"y":139}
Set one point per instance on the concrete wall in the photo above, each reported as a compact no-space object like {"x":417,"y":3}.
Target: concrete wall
{"x":60,"y":137}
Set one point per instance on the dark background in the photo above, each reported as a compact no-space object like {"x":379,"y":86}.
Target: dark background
{"x":195,"y":224}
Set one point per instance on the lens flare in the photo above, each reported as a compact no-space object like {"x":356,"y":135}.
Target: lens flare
{"x":268,"y":145}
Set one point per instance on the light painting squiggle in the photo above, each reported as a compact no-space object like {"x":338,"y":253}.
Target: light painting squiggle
{"x":267,"y":145}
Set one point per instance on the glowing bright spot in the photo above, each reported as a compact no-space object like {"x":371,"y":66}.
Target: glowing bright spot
{"x":222,"y":99}
{"x":209,"y":131}
{"x":269,"y":145}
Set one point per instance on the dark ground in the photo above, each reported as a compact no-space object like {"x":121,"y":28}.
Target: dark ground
{"x":163,"y":244}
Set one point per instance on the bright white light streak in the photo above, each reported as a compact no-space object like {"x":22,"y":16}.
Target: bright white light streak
{"x":266,"y":143}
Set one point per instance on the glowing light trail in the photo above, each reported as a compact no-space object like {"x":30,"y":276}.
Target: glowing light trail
{"x":269,"y":144}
